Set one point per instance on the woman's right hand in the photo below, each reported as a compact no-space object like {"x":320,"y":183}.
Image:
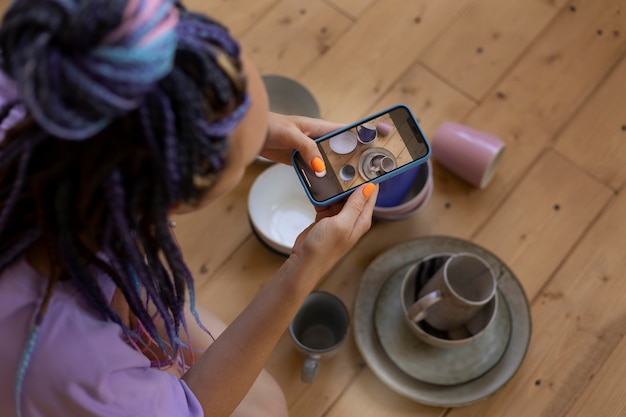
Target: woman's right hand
{"x":336,"y":229}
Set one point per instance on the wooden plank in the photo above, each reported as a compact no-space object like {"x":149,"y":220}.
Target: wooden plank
{"x":485,"y":40}
{"x":370,"y":398}
{"x":568,"y":61}
{"x":351,"y":8}
{"x":537,"y":226}
{"x":209,"y":235}
{"x":377,"y":49}
{"x":239,"y":16}
{"x":293,"y":35}
{"x":579,"y":319}
{"x":605,"y":397}
{"x":237,"y":281}
{"x":544,"y":90}
{"x":596,"y":139}
{"x":431,"y":100}
{"x":335,"y":374}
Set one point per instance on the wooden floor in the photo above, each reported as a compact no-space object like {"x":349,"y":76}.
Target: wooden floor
{"x":549,"y":78}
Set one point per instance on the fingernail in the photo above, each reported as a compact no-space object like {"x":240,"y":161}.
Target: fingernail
{"x":369,"y":189}
{"x":320,"y":174}
{"x":318,"y":165}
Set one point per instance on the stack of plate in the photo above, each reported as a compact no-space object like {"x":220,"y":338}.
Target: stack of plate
{"x":431,"y":375}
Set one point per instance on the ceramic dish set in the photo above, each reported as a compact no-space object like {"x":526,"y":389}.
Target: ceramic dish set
{"x":445,"y":377}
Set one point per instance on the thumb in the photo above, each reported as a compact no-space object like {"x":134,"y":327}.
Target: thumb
{"x":359,"y":208}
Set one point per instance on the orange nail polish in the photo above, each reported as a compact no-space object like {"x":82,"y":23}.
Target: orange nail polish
{"x":369,"y":189}
{"x":318,"y":165}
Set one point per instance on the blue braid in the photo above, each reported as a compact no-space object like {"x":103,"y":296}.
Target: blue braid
{"x":75,"y":96}
{"x":24,"y":363}
{"x":156,"y":18}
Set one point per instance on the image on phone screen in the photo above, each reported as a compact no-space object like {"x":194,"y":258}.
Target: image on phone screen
{"x":380,"y":145}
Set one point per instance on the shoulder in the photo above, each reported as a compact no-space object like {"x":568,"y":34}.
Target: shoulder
{"x":80,"y":365}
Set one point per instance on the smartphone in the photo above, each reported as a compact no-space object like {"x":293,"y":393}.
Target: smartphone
{"x":371,"y":150}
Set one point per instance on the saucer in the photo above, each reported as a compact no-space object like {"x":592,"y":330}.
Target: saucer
{"x":435,"y":365}
{"x":368,"y":343}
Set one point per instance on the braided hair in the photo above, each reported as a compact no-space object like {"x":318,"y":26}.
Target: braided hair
{"x":113,"y":112}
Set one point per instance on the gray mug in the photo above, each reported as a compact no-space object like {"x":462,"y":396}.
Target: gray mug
{"x":461,"y":287}
{"x":318,"y":329}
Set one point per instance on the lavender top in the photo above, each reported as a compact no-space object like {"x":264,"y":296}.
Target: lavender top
{"x":81,"y":366}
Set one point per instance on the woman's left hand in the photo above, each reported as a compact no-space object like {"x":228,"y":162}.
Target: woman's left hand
{"x":288,"y":133}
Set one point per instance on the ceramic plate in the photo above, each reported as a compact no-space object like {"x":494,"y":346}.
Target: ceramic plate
{"x":343,"y":143}
{"x":288,"y":96}
{"x":372,"y":282}
{"x":278,"y":207}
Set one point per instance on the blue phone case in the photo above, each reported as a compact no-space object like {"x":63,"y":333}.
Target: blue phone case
{"x":379,"y":179}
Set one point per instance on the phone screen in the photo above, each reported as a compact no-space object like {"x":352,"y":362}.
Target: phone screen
{"x":379,"y":145}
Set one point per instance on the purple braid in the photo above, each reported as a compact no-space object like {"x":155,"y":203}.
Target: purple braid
{"x":70,"y":249}
{"x":18,"y":185}
{"x":170,"y":152}
{"x":124,"y":232}
{"x":17,"y":249}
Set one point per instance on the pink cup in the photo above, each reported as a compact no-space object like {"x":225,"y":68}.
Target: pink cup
{"x":471,"y":154}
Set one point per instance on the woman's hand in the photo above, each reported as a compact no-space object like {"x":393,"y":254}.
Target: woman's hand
{"x":287,"y":133}
{"x":336,"y":229}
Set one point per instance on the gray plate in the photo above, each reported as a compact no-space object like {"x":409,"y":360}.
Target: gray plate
{"x":373,"y":280}
{"x":288,"y":96}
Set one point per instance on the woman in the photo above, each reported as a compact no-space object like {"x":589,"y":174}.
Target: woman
{"x":115,"y":114}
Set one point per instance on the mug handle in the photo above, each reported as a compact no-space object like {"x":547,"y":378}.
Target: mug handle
{"x":419,"y":310}
{"x":310,"y":368}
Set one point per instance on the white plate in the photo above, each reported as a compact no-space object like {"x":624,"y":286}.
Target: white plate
{"x":278,"y":207}
{"x":343,"y":143}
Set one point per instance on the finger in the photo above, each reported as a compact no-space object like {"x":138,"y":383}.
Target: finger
{"x":364,"y":221}
{"x":311,"y":153}
{"x":359,"y":207}
{"x":316,"y":128}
